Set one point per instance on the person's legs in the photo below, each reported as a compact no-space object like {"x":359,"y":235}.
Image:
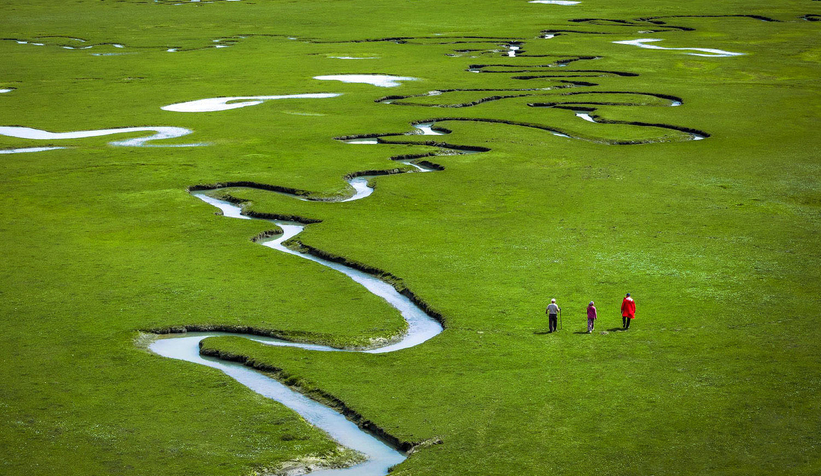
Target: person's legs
{"x":627,"y":324}
{"x":624,"y":321}
{"x":590,"y":324}
{"x":551,"y":322}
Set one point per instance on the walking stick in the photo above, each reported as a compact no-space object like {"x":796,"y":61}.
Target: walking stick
{"x":561,"y":324}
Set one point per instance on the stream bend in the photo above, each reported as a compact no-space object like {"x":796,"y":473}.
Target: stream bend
{"x":160,"y":133}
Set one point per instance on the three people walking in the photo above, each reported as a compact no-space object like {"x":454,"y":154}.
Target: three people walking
{"x":628,"y":313}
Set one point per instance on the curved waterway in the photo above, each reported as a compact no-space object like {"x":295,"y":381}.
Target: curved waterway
{"x":380,"y":80}
{"x":421,"y":327}
{"x":706,"y":52}
{"x":160,"y":133}
{"x":555,"y":2}
{"x":28,"y":149}
{"x":226,"y":103}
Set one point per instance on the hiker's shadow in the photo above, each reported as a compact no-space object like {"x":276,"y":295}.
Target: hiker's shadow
{"x":616,"y":329}
{"x":542,"y":332}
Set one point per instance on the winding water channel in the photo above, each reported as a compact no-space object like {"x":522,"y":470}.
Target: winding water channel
{"x":421,"y":327}
{"x":706,"y":52}
{"x":160,"y":133}
{"x":234,"y":102}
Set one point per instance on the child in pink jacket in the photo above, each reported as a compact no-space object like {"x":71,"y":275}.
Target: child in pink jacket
{"x":591,"y":317}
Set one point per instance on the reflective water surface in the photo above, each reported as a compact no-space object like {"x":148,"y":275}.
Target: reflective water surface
{"x":706,"y":52}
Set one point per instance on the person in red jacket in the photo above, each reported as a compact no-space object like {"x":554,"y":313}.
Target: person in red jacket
{"x":628,"y":311}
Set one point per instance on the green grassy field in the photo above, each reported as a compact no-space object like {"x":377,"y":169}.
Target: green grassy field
{"x":717,"y":239}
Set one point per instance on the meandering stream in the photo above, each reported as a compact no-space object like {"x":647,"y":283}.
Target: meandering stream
{"x":160,"y":133}
{"x":706,"y":52}
{"x":421,"y":327}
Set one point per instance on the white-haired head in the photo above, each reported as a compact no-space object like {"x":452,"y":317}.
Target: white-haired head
{"x":591,"y":303}
{"x":553,"y":300}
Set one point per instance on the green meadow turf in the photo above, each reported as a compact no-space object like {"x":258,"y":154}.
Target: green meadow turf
{"x":716,"y":239}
